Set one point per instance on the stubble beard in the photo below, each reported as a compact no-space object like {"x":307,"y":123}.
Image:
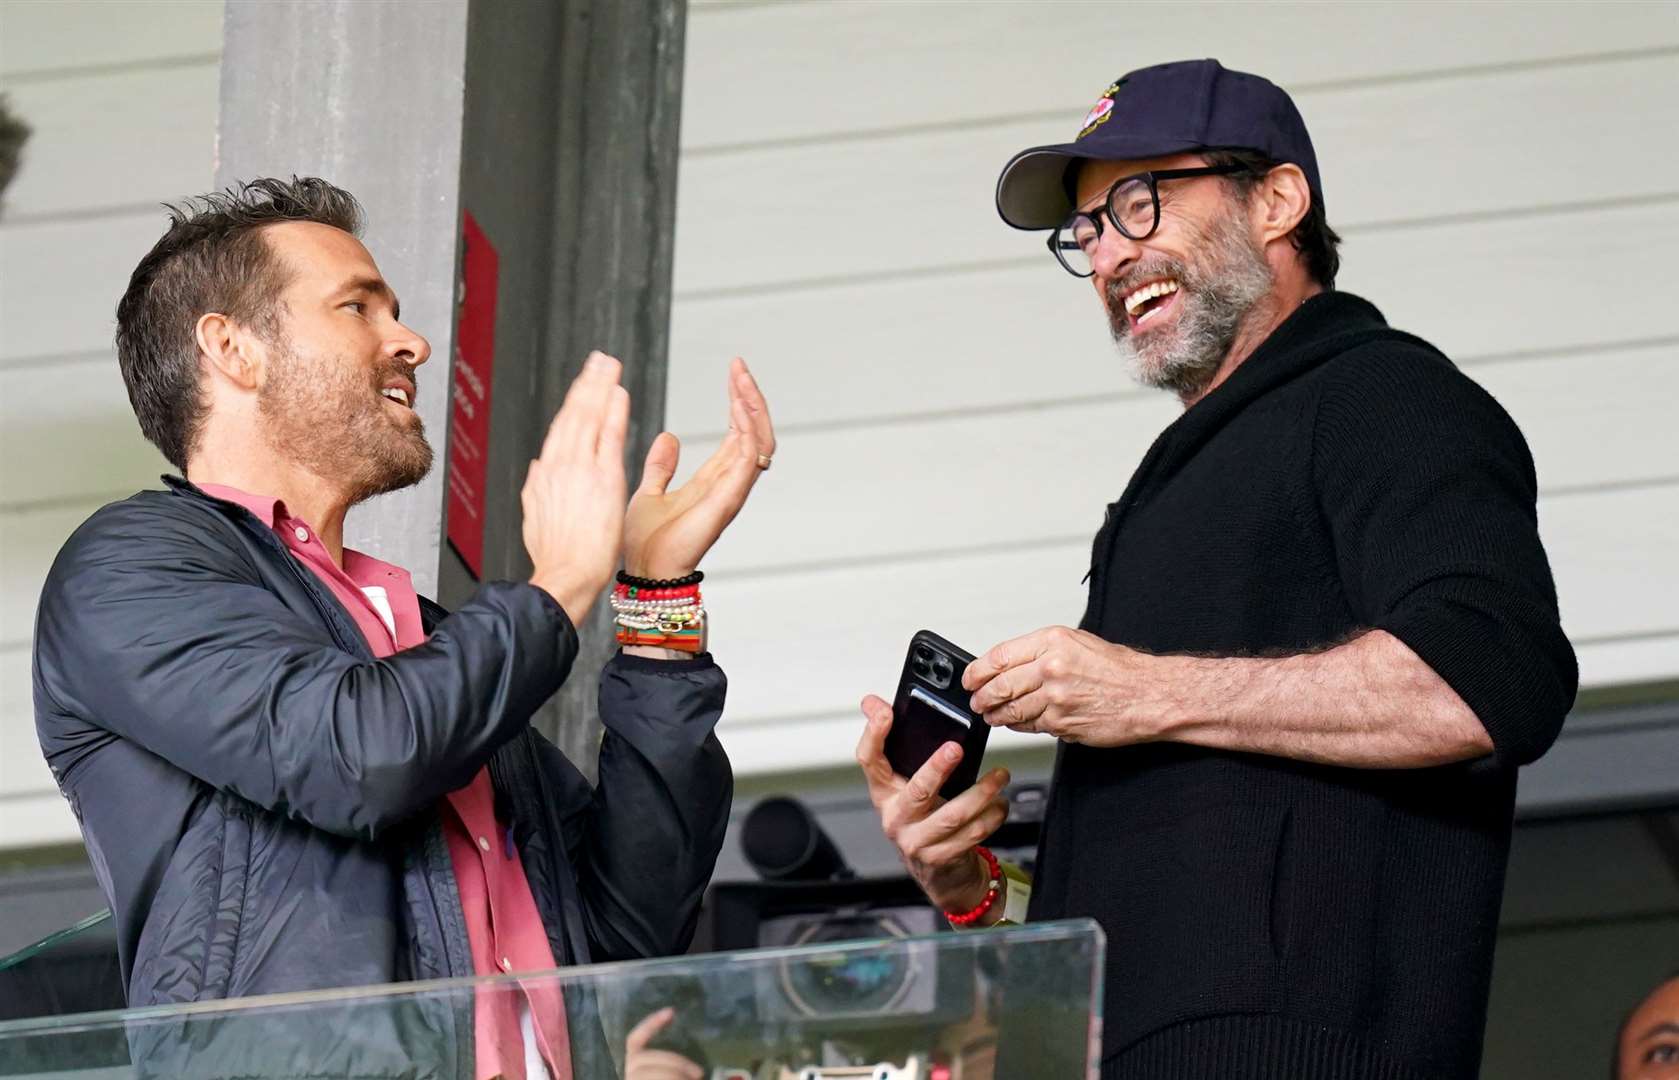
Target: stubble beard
{"x":324,"y":416}
{"x":1217,"y":290}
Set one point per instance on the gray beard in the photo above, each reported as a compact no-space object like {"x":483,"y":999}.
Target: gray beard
{"x":1217,"y":291}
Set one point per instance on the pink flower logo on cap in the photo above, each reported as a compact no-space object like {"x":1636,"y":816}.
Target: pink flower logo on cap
{"x":1097,"y":115}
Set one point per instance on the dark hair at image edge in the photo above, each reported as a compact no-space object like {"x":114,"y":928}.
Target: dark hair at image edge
{"x":1312,"y":237}
{"x":212,"y":258}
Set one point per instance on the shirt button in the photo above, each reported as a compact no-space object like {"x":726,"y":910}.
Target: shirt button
{"x":301,"y":533}
{"x":483,"y":844}
{"x":506,"y":964}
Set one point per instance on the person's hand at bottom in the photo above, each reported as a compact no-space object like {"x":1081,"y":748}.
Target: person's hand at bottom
{"x":640,"y":1063}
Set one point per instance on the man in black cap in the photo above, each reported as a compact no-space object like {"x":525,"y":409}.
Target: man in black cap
{"x":1321,"y":634}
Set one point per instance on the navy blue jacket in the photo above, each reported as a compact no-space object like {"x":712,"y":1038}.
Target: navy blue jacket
{"x":259,"y":795}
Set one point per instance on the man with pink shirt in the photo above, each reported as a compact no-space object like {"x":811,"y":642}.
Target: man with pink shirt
{"x":293,"y":772}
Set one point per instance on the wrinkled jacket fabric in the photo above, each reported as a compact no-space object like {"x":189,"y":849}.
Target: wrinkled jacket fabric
{"x":260,"y":795}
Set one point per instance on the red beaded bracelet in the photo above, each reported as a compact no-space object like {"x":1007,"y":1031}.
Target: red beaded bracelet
{"x":994,"y":890}
{"x":686,"y":592}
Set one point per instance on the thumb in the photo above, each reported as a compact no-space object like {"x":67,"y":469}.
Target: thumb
{"x":643,"y":1033}
{"x":661,"y":464}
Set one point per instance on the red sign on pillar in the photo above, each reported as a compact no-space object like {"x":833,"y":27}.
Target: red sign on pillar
{"x":469,"y":415}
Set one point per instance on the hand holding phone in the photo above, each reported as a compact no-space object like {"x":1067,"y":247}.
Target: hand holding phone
{"x":931,"y":709}
{"x":930,"y":805}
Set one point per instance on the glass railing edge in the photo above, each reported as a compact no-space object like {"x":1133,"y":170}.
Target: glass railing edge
{"x":1059,"y":930}
{"x":54,"y":939}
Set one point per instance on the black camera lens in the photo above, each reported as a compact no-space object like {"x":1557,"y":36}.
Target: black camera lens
{"x":869,"y":979}
{"x":923,"y":653}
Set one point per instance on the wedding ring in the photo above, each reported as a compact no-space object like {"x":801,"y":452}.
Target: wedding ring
{"x":763,"y":461}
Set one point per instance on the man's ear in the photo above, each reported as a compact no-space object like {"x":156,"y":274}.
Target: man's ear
{"x":230,"y":350}
{"x":1281,"y":202}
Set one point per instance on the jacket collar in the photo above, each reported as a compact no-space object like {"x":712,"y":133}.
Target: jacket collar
{"x":180,"y":485}
{"x":266,"y":510}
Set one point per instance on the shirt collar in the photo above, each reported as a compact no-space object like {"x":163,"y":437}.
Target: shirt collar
{"x":360,"y":567}
{"x":268,"y":510}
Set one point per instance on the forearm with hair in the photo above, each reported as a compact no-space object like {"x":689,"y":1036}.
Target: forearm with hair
{"x":1367,"y":703}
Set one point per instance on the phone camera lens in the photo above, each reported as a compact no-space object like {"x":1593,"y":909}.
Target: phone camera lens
{"x":923,"y":653}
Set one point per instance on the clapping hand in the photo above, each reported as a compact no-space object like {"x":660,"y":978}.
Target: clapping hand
{"x":667,"y":532}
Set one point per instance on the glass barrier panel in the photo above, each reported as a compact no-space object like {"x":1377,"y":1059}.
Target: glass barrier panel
{"x":72,"y":971}
{"x":1021,"y":1002}
{"x":59,"y":940}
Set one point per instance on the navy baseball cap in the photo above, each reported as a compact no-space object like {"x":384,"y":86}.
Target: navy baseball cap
{"x":1181,"y":107}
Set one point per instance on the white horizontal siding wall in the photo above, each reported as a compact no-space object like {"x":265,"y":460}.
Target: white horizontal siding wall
{"x":122,"y":100}
{"x":1491,"y":167}
{"x":1494,"y":168}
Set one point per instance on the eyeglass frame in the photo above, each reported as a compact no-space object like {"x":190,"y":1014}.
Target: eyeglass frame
{"x":1153,"y":178}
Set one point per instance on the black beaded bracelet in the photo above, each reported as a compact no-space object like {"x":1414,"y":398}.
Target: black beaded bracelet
{"x":656,"y":583}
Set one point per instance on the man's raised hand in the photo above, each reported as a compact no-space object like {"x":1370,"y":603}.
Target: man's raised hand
{"x":666,"y":533}
{"x":574,"y":492}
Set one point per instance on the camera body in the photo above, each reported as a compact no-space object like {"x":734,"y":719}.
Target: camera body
{"x":877,"y":998}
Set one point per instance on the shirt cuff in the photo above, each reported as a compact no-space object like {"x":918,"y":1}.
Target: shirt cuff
{"x":648,"y":665}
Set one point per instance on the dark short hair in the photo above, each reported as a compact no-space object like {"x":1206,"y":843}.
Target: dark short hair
{"x":1312,"y":237}
{"x":212,"y":258}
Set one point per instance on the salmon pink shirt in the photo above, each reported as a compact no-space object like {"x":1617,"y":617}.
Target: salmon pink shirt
{"x":520,"y":1034}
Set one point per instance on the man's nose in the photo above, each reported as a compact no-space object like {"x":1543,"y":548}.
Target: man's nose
{"x":1115,"y":252}
{"x":409,"y":347}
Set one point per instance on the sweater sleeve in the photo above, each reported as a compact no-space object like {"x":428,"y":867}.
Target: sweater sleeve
{"x":1429,"y":493}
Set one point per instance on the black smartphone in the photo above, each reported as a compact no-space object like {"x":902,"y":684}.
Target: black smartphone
{"x":931,"y":709}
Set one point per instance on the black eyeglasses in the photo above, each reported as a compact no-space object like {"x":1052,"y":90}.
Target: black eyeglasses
{"x":1133,"y":205}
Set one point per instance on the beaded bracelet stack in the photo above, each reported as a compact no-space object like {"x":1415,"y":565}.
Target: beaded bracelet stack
{"x":668,"y":614}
